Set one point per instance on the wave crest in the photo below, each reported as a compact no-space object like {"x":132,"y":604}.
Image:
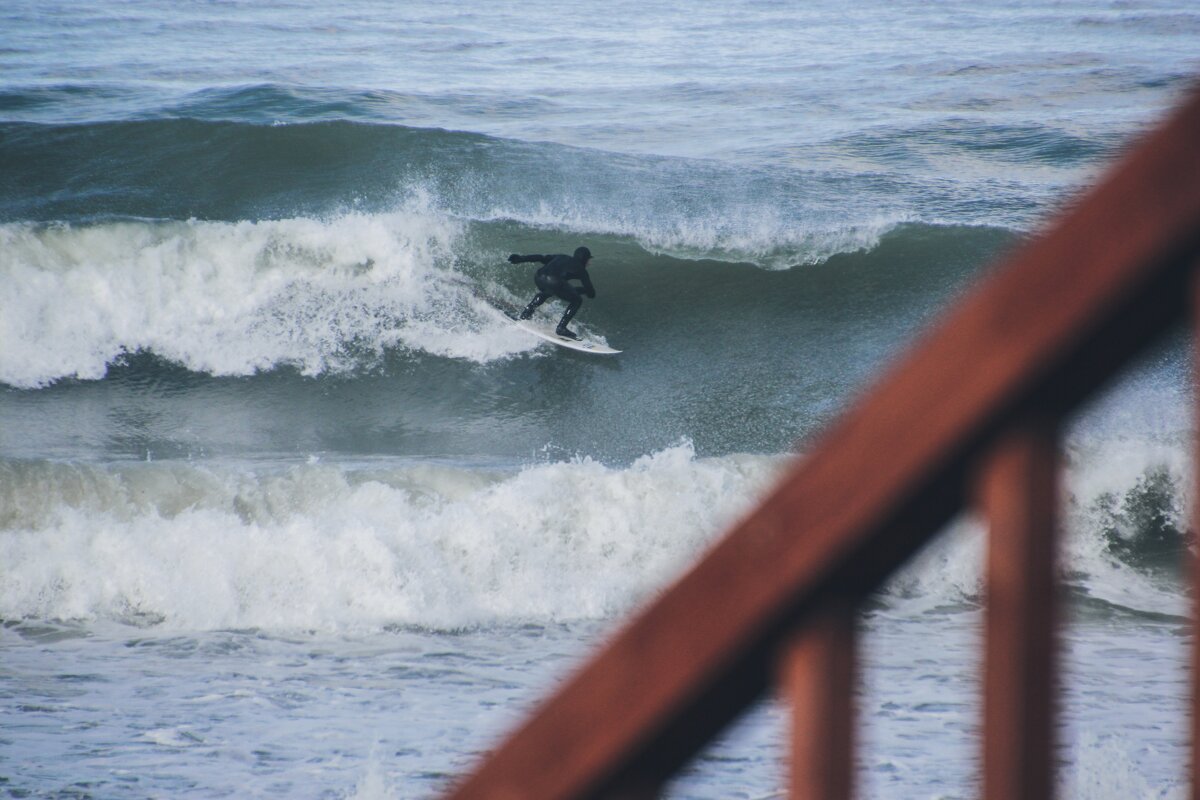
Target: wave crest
{"x":230,"y":298}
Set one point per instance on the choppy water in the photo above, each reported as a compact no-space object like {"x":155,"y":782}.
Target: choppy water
{"x":287,"y":510}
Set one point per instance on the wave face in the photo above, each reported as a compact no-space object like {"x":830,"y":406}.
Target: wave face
{"x":253,"y":336}
{"x":238,"y":298}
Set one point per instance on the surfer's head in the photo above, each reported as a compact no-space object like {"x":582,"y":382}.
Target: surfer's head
{"x":583,"y":254}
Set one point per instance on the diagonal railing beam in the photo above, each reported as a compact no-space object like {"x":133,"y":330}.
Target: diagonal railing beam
{"x":1040,"y":333}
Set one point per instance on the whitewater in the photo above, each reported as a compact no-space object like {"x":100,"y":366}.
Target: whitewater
{"x":286,"y":508}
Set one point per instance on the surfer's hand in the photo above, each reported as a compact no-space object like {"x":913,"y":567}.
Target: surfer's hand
{"x":514,"y":259}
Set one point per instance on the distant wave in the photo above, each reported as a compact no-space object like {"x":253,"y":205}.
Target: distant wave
{"x":222,"y":170}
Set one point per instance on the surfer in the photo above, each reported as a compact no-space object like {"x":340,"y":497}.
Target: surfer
{"x":552,"y":281}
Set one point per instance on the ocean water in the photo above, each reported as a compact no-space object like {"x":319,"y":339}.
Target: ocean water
{"x":286,"y":509}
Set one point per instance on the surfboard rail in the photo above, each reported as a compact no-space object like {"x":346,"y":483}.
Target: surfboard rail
{"x":585,"y":344}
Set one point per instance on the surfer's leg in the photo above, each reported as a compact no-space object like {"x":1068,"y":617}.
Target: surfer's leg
{"x":547,"y":286}
{"x":537,"y":300}
{"x":574,"y":302}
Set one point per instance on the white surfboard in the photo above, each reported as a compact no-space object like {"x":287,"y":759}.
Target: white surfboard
{"x":585,"y":344}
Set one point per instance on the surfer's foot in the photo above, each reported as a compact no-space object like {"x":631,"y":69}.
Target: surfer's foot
{"x":526,"y":314}
{"x":565,"y":332}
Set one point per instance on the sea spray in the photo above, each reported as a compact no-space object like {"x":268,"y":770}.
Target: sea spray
{"x":233,"y":298}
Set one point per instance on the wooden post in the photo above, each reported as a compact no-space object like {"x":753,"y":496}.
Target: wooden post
{"x":1019,"y":496}
{"x":818,"y":669}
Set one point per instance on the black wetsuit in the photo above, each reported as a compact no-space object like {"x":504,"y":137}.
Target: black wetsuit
{"x":552,"y":281}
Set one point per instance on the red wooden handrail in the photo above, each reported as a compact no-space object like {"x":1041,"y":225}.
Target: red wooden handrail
{"x":968,"y":413}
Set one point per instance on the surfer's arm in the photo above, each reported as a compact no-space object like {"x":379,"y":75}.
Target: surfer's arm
{"x":586,"y":280}
{"x":516,"y":259}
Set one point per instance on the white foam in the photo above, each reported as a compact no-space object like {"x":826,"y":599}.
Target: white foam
{"x":1113,"y":468}
{"x":173,"y":737}
{"x":314,"y":547}
{"x":950,"y":570}
{"x":1109,"y":767}
{"x":326,"y":546}
{"x":374,"y":783}
{"x":236,"y":298}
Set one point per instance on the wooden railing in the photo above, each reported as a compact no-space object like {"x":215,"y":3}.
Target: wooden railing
{"x":969,"y":419}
